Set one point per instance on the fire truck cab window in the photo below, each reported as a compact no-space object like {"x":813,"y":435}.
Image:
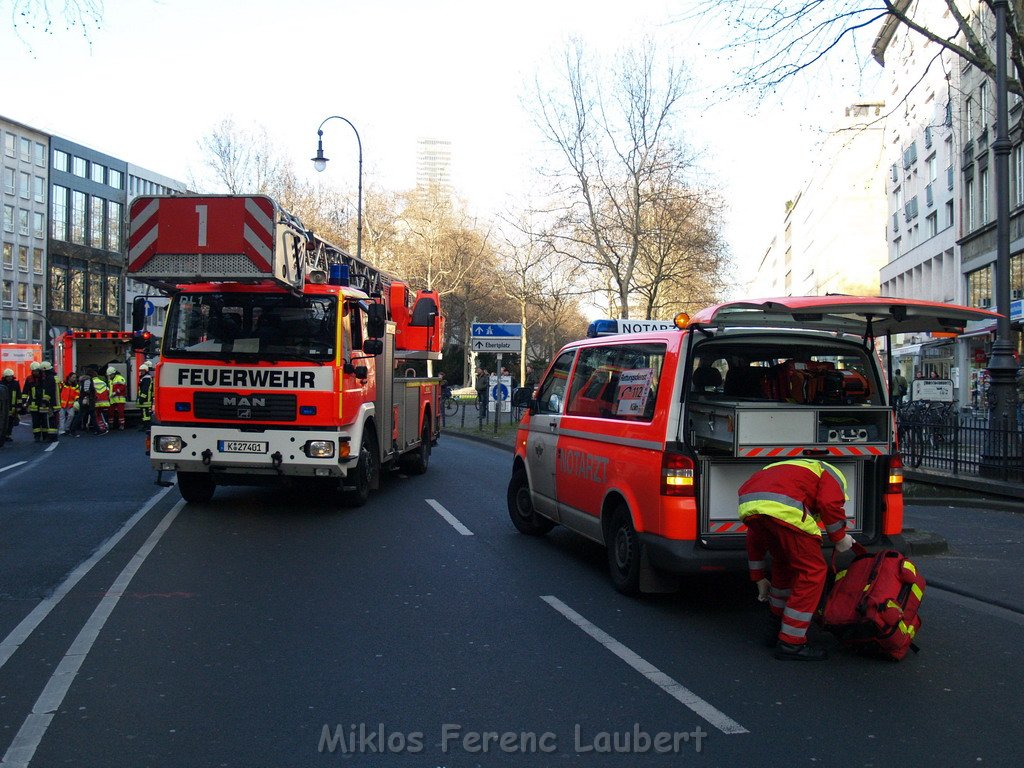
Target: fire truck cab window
{"x":220,"y":325}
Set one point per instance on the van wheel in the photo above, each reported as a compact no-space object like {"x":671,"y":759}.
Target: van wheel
{"x":624,"y":552}
{"x":364,"y":474}
{"x":419,"y":460}
{"x":196,"y":487}
{"x":520,"y":507}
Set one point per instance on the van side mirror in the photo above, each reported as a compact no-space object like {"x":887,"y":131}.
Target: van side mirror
{"x":139,"y":314}
{"x":376,"y":321}
{"x":373,"y":346}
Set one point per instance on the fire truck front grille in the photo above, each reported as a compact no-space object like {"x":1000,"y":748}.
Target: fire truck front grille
{"x":225,"y":406}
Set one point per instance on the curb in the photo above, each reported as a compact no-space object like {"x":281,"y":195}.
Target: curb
{"x":479,"y":439}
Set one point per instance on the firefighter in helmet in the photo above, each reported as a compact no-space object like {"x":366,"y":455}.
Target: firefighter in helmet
{"x":118,"y":397}
{"x":11,"y":402}
{"x":781,"y":506}
{"x":146,"y":394}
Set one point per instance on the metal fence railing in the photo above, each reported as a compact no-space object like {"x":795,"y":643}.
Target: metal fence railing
{"x":935,"y":436}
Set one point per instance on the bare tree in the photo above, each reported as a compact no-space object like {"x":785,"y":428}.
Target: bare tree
{"x":620,"y":159}
{"x":43,"y":15}
{"x":789,"y":37}
{"x":240,"y":160}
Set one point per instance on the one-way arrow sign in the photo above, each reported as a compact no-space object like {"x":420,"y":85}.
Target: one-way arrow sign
{"x":492,"y":330}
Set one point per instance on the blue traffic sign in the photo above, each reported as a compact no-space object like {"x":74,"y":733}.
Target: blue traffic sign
{"x":497,"y":330}
{"x":1016,"y":309}
{"x":150,"y":308}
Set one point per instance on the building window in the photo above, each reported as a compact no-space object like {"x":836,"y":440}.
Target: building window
{"x":22,"y":294}
{"x":113,"y":292}
{"x":113,"y":226}
{"x":77,"y":288}
{"x":8,"y":295}
{"x":96,"y":172}
{"x":78,"y":167}
{"x":948,"y":221}
{"x":1018,"y":174}
{"x":969,"y":119}
{"x":61,"y":160}
{"x":25,"y":187}
{"x":23,"y":258}
{"x":983,"y":196}
{"x":37,"y":297}
{"x":9,"y":181}
{"x":969,"y":205}
{"x":983,"y":105}
{"x":40,"y":157}
{"x":58,"y":287}
{"x":8,"y":331}
{"x":22,"y":221}
{"x":96,"y":222}
{"x":979,"y":287}
{"x":26,"y":150}
{"x":59,"y":213}
{"x":37,"y":224}
{"x":37,"y":260}
{"x":96,"y":290}
{"x":114,"y":178}
{"x":77,"y":217}
{"x":932,"y":224}
{"x":37,"y":330}
{"x":9,"y":142}
{"x":8,"y":256}
{"x":38,"y":185}
{"x":22,"y":330}
{"x":8,"y":218}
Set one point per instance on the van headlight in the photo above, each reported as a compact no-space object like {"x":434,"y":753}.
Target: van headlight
{"x":320,"y":449}
{"x":169,"y":444}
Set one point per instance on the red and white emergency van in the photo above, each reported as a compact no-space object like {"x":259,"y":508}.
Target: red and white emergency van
{"x":283,"y":358}
{"x":77,"y":350}
{"x":641,"y":441}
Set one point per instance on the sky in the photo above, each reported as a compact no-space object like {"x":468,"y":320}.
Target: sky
{"x":158,"y":75}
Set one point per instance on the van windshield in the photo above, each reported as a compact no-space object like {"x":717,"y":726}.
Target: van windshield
{"x":784,"y":372}
{"x":271,"y":326}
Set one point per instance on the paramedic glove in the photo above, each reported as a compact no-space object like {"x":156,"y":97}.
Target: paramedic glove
{"x":762,"y":590}
{"x":844,"y":544}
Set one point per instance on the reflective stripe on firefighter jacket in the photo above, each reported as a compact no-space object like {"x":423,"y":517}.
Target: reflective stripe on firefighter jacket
{"x":40,"y":395}
{"x":118,"y":389}
{"x":800,"y":493}
{"x":102,"y":392}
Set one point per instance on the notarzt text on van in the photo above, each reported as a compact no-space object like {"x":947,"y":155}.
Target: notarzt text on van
{"x":585,"y":465}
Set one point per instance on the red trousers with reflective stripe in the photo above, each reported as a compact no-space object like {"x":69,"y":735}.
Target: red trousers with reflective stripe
{"x":797,"y":565}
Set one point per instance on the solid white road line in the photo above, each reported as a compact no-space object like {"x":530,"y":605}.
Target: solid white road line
{"x":12,"y":466}
{"x":452,"y":520}
{"x":32,"y":731}
{"x":28,"y":625}
{"x":52,"y":446}
{"x":683,"y":695}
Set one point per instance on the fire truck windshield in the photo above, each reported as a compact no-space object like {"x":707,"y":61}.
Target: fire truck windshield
{"x":267,"y":326}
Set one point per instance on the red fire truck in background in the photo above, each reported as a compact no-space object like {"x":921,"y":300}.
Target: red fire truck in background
{"x":283,"y":357}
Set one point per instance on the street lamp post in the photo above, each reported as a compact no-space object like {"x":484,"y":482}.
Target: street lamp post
{"x":320,"y":163}
{"x":1002,"y":366}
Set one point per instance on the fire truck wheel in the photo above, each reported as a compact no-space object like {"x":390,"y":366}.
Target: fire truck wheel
{"x":364,"y":473}
{"x":196,"y":487}
{"x":520,"y":507}
{"x":418,"y":461}
{"x":623,"y":552}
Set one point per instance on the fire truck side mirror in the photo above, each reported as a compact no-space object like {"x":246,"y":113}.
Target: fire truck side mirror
{"x":376,"y":321}
{"x":373,"y":346}
{"x":139,"y":314}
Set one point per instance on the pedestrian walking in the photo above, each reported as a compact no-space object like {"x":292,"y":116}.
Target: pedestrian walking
{"x":118,"y":398}
{"x":10,"y":403}
{"x":146,"y":395}
{"x":901,"y":387}
{"x":781,"y":505}
{"x":68,"y":403}
{"x":482,"y":384}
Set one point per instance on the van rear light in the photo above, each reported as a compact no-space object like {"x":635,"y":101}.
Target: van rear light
{"x":895,"y":481}
{"x":676,"y":474}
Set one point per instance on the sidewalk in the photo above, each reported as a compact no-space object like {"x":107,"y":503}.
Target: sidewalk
{"x":965,"y":541}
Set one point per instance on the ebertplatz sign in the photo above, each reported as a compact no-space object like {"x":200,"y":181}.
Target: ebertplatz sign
{"x":496,"y":337}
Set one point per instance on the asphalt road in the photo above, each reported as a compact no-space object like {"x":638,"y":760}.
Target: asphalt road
{"x":277,"y":629}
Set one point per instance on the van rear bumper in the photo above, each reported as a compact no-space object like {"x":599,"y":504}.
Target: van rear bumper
{"x":727,"y":553}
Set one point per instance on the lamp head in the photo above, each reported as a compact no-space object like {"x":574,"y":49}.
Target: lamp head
{"x":319,"y":161}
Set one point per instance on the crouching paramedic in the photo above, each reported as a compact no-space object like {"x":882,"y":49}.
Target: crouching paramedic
{"x":781,"y":506}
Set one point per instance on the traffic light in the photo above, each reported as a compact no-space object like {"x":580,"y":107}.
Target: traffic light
{"x":141,"y":340}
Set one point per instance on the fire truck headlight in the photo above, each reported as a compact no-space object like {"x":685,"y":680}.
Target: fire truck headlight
{"x":169,"y":444}
{"x":320,"y":449}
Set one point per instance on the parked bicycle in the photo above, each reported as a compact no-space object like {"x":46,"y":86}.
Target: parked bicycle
{"x":449,"y":404}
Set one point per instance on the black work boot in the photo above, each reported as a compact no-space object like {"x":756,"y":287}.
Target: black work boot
{"x":772,"y":625}
{"x":803,"y":652}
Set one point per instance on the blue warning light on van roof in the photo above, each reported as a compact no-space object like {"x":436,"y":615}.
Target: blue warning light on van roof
{"x":611,"y":327}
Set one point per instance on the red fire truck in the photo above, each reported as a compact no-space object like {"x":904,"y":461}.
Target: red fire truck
{"x":283,"y":358}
